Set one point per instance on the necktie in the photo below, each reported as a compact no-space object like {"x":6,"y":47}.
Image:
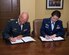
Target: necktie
{"x":21,"y":25}
{"x":52,"y":24}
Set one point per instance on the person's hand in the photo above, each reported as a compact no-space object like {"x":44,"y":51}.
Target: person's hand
{"x":47,"y":37}
{"x":53,"y":36}
{"x":19,"y":37}
{"x":12,"y":39}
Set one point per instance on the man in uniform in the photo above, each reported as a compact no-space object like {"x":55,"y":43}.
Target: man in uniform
{"x":17,"y":28}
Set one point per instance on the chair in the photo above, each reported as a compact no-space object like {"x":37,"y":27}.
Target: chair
{"x":36,"y":27}
{"x":67,"y":28}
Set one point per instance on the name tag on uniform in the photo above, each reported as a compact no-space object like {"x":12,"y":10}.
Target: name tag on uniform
{"x":14,"y":29}
{"x":58,"y":27}
{"x":25,"y":30}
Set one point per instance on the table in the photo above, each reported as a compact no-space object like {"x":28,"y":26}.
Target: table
{"x":35,"y":48}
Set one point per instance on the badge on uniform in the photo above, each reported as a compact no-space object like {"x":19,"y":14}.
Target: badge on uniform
{"x":46,"y":26}
{"x":16,"y":22}
{"x":58,"y":27}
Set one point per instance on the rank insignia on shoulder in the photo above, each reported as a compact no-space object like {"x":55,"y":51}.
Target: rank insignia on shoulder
{"x":12,"y":19}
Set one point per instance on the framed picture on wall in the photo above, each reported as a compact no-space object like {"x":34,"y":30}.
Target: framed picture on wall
{"x":54,"y":4}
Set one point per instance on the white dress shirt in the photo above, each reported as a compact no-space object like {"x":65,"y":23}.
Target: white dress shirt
{"x":20,"y":25}
{"x":52,"y":24}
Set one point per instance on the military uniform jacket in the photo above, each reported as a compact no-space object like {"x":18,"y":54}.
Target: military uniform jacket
{"x":46,"y":28}
{"x":13,"y":29}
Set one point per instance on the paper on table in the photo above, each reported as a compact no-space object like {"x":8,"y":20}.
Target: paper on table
{"x":44,"y":39}
{"x":58,"y":38}
{"x":17,"y":41}
{"x":51,"y":39}
{"x":27,"y":39}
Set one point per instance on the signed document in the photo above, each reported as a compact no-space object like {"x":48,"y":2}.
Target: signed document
{"x":51,"y":39}
{"x":24,"y":39}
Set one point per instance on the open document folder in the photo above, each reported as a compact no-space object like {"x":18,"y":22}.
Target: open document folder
{"x":51,"y":39}
{"x":24,"y":39}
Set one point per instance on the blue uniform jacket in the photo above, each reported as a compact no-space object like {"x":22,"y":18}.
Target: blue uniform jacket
{"x":47,"y":30}
{"x":13,"y":29}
